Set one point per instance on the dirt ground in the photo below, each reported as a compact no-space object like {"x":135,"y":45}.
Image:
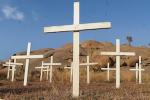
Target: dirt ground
{"x":63,"y":91}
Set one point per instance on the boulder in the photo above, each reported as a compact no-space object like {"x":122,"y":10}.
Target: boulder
{"x":131,"y":61}
{"x":102,"y":61}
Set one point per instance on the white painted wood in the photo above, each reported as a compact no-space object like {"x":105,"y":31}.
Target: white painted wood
{"x":27,"y":64}
{"x":11,"y":67}
{"x":118,"y":53}
{"x":76,"y":27}
{"x":51,"y":69}
{"x":108,"y":70}
{"x":13,"y":71}
{"x":71,"y":72}
{"x":138,"y":71}
{"x":88,"y":70}
{"x":27,"y":57}
{"x":43,"y":69}
{"x":87,"y":65}
{"x":118,"y":64}
{"x":76,"y":51}
{"x":41,"y":72}
{"x":53,"y":64}
{"x":70,"y":68}
{"x":48,"y":67}
{"x":12,"y":63}
{"x":8,"y":70}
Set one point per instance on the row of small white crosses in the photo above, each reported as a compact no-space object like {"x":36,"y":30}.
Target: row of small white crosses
{"x":138,"y":70}
{"x":27,"y":57}
{"x":87,"y":65}
{"x":11,"y":67}
{"x":48,"y":67}
{"x":118,"y":54}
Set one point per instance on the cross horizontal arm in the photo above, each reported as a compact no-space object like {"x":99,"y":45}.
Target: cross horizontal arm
{"x":14,"y":63}
{"x":49,"y":64}
{"x":108,"y":68}
{"x":41,"y":67}
{"x":118,"y":53}
{"x":8,"y":65}
{"x":86,"y":64}
{"x":27,"y":57}
{"x":80,"y":27}
{"x":67,"y":67}
{"x":137,"y":69}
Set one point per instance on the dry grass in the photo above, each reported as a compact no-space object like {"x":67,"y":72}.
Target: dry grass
{"x":61,"y":88}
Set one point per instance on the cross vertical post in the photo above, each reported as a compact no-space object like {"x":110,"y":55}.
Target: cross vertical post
{"x":136,"y":73}
{"x":27,"y":64}
{"x":87,"y":64}
{"x":41,"y":72}
{"x":108,"y":72}
{"x":76,"y":51}
{"x":75,"y":28}
{"x":8,"y":73}
{"x":71,"y":72}
{"x":13,"y":71}
{"x":138,"y":70}
{"x":51,"y":69}
{"x":88,"y":70}
{"x":117,"y":64}
{"x":140,"y":75}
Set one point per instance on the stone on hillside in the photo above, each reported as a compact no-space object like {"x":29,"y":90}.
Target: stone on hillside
{"x":131,"y":61}
{"x":102,"y":61}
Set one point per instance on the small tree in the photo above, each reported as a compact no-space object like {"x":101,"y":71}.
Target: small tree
{"x":129,"y":39}
{"x":149,"y":44}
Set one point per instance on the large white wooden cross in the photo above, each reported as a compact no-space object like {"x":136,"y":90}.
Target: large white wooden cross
{"x":75,"y":28}
{"x":108,"y":70}
{"x":50,"y":67}
{"x":27,"y":57}
{"x":118,"y":53}
{"x":11,"y":67}
{"x":138,"y":70}
{"x":88,"y":64}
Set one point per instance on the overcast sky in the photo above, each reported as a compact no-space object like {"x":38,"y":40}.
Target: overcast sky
{"x":23,"y":20}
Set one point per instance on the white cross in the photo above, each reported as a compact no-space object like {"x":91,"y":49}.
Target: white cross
{"x":138,"y":70}
{"x":27,"y":57}
{"x":88,"y":64}
{"x":43,"y":69}
{"x":75,"y":28}
{"x":11,"y":67}
{"x":118,"y":53}
{"x":50,"y":67}
{"x":108,"y":70}
{"x":70,"y":68}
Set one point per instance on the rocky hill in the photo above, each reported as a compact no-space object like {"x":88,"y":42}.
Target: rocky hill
{"x":91,"y":48}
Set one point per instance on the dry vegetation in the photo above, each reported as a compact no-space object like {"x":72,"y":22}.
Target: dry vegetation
{"x":61,"y":88}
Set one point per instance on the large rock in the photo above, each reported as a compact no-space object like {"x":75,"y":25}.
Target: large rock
{"x":131,"y":61}
{"x":102,"y":61}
